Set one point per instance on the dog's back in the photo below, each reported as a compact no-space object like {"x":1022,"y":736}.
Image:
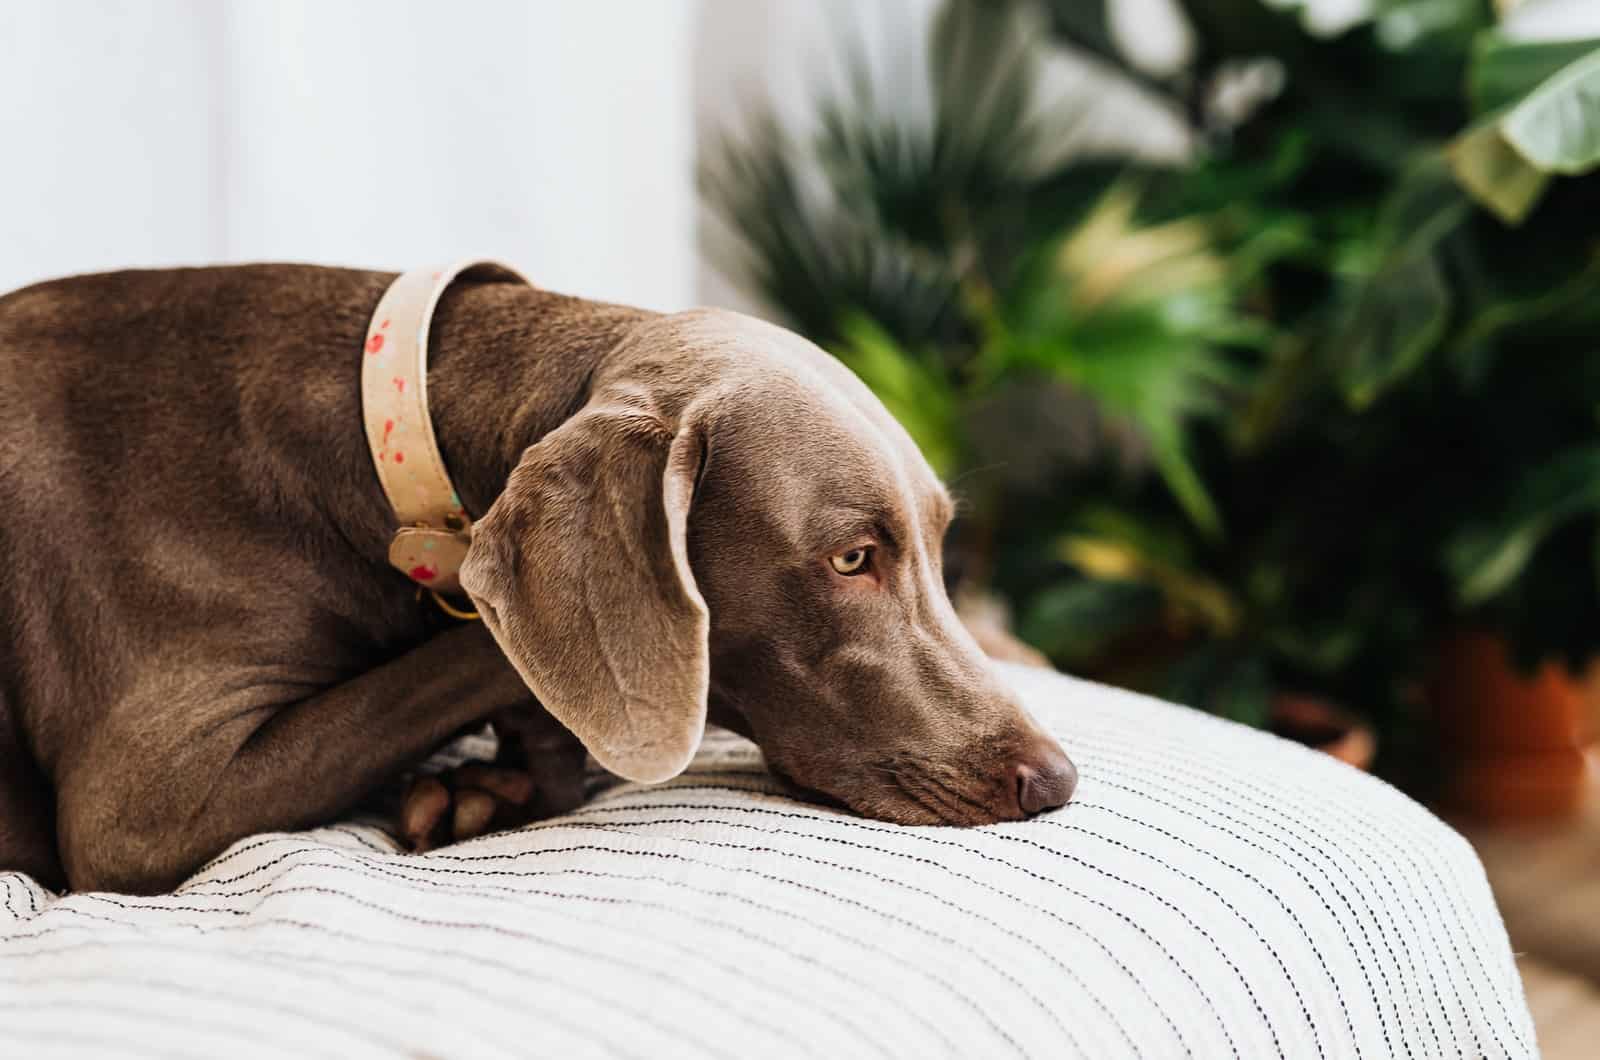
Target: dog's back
{"x":47,"y":359}
{"x":158,"y":431}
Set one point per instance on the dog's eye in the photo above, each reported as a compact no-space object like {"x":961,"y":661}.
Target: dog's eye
{"x":853,"y":562}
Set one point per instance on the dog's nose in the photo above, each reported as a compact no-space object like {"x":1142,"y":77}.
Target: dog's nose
{"x":1045,"y":780}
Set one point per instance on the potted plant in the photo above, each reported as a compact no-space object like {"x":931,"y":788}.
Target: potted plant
{"x":1448,"y":291}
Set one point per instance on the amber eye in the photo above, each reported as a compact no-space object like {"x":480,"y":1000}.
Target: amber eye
{"x":853,"y":562}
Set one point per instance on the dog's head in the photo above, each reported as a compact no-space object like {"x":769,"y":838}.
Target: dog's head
{"x":734,"y":525}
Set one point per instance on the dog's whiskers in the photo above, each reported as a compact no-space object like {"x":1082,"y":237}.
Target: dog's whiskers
{"x":957,"y":794}
{"x":922,"y":801}
{"x":935,"y":799}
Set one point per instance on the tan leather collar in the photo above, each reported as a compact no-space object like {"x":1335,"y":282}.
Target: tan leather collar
{"x":434,"y":529}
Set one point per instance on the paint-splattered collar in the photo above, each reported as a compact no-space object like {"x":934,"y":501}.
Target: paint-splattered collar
{"x":434,"y":529}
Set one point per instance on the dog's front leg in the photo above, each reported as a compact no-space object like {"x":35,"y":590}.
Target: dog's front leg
{"x":148,"y":804}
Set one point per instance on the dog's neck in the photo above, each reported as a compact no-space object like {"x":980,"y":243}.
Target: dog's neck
{"x":507,"y":364}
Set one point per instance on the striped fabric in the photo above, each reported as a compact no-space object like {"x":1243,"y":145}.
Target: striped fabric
{"x":1211,"y":892}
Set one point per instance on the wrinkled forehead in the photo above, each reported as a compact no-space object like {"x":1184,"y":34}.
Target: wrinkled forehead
{"x":761,"y":348}
{"x":805,"y":424}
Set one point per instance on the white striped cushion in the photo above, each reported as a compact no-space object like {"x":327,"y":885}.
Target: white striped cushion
{"x":1211,"y":892}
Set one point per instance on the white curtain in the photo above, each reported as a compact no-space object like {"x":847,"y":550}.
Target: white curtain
{"x":556,"y":134}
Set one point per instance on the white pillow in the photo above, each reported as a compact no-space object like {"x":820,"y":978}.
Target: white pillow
{"x":1210,"y":892}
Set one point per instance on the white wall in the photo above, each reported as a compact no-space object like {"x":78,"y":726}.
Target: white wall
{"x":383,"y":133}
{"x":105,"y":136}
{"x":559,"y":134}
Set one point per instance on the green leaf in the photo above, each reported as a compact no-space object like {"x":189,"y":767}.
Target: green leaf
{"x":1130,"y":316}
{"x":1503,"y":314}
{"x":1495,"y":174}
{"x":1190,"y":595}
{"x":1178,"y":471}
{"x":1137,"y":368}
{"x":1188,"y":680}
{"x":1074,"y":620}
{"x":924,"y":401}
{"x":808,"y":255}
{"x":1424,"y":207}
{"x":1325,"y":649}
{"x":1399,"y":316}
{"x":982,"y":71}
{"x":1157,"y":542}
{"x":1503,"y":71}
{"x":1400,"y":305}
{"x":1243,"y":694}
{"x":1557,"y":127}
{"x":1214,"y":679}
{"x":1485,"y":560}
{"x":1086,"y":24}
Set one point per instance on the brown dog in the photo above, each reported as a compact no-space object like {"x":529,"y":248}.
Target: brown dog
{"x":681,"y":516}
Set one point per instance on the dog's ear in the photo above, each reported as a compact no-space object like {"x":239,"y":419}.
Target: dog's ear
{"x":581,"y":571}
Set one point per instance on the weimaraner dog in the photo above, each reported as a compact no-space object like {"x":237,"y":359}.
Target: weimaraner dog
{"x":678,"y":518}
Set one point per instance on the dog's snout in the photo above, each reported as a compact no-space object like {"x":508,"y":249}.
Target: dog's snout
{"x":1044,"y":779}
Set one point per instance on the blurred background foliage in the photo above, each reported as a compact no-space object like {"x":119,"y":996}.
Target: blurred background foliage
{"x":1269,"y":419}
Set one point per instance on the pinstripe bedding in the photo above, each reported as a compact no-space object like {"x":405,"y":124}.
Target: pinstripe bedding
{"x":1211,"y":892}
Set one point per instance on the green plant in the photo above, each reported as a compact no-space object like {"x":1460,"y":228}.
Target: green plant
{"x":1425,"y":426}
{"x":1270,"y":420}
{"x":965,"y":264}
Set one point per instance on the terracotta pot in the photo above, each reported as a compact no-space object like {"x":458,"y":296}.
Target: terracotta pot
{"x":1514,"y":745}
{"x":1324,"y":726}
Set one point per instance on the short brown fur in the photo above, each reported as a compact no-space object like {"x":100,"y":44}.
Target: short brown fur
{"x":200,"y":637}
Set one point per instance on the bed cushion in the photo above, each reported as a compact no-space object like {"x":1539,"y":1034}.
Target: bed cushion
{"x":1211,"y":891}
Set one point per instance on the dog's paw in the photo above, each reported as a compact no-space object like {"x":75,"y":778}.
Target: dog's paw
{"x":538,"y":773}
{"x":464,"y":803}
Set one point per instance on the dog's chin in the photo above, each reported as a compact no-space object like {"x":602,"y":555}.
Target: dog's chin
{"x":903,"y":795}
